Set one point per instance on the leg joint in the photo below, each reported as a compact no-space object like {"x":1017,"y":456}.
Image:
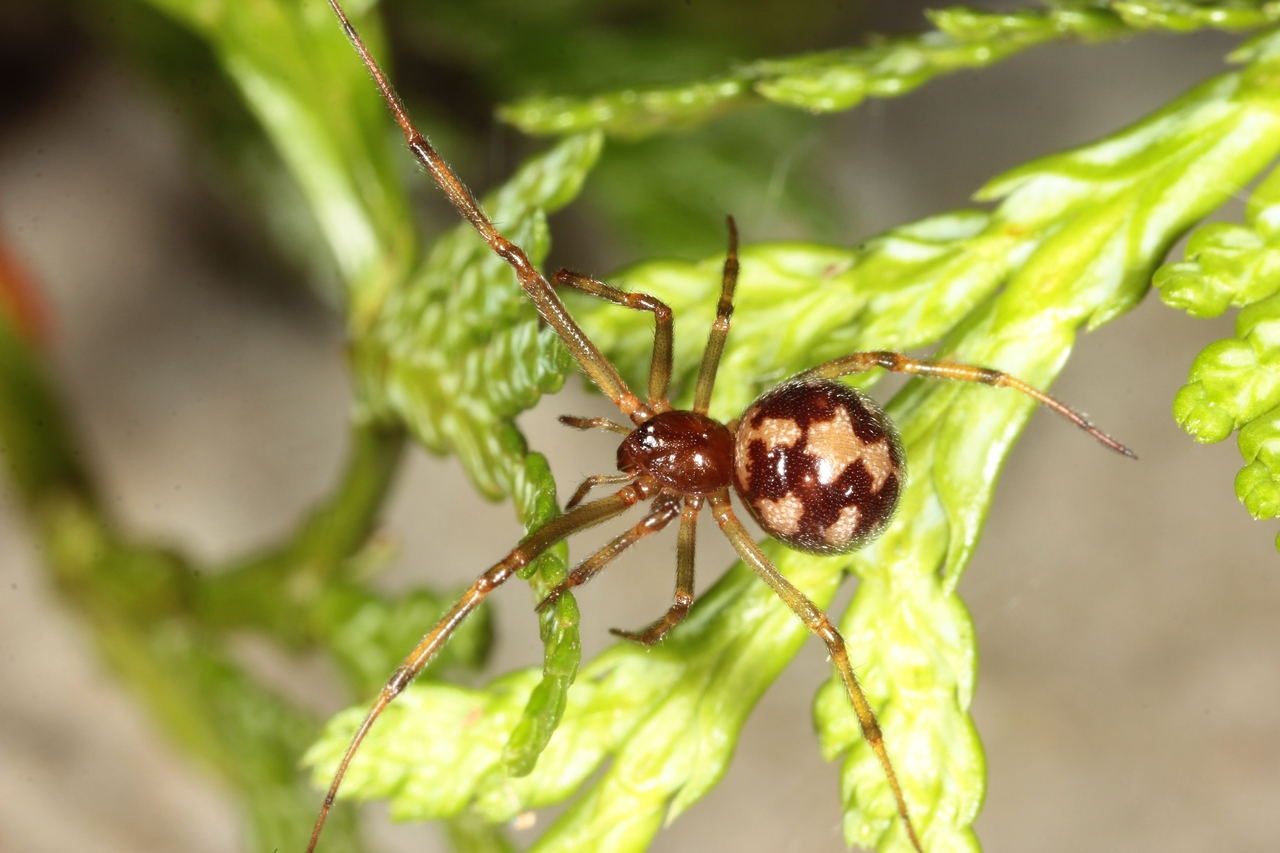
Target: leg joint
{"x":513,"y":255}
{"x":399,"y":681}
{"x":827,"y":632}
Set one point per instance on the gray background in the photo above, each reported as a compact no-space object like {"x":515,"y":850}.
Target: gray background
{"x":1127,"y":613}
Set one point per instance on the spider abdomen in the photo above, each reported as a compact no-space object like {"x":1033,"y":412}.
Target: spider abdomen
{"x":686,"y":452}
{"x":818,"y":465}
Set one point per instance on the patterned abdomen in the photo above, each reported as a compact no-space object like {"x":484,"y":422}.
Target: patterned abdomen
{"x":818,"y":465}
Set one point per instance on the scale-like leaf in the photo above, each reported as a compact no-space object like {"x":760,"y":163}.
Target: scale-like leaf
{"x":327,"y":122}
{"x":1234,"y":383}
{"x":457,"y":351}
{"x":965,"y":38}
{"x":1096,"y":222}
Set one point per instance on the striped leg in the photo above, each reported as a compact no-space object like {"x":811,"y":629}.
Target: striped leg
{"x":861,"y":362}
{"x":591,"y":482}
{"x":665,"y":508}
{"x":529,"y":549}
{"x":720,"y":328}
{"x":817,"y":622}
{"x":594,"y":423}
{"x":660,"y":365}
{"x":588,"y":356}
{"x":684,"y":580}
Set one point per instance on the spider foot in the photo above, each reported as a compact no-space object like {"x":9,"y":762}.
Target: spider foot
{"x":551,"y":599}
{"x":649,"y":637}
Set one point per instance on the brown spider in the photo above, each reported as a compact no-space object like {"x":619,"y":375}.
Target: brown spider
{"x":817,"y":464}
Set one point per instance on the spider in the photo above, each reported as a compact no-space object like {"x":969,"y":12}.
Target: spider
{"x":815,"y":462}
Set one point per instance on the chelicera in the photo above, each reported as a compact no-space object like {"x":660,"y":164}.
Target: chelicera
{"x":816,"y":463}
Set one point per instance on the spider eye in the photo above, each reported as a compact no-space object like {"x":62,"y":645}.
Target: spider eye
{"x":819,"y":466}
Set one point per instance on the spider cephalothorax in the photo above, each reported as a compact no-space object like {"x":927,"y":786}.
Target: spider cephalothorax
{"x":686,"y":452}
{"x":816,"y":463}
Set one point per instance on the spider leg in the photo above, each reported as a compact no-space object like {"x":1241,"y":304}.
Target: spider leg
{"x":665,"y":508}
{"x":817,"y":622}
{"x":684,"y":580}
{"x":720,"y":328}
{"x":591,"y":482}
{"x":660,"y":364}
{"x":594,"y":423}
{"x":588,"y":356}
{"x":861,"y":362}
{"x":531,"y":547}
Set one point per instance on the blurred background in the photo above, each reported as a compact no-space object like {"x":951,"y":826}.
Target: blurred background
{"x":1128,"y":615}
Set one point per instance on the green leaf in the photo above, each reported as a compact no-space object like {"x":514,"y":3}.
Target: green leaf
{"x":965,"y":38}
{"x":1228,"y":265}
{"x":457,"y":351}
{"x":36,"y":448}
{"x":902,"y":290}
{"x":547,"y":702}
{"x":628,"y":113}
{"x":1235,"y":383}
{"x":295,"y":71}
{"x":1185,"y":17}
{"x":1096,"y":220}
{"x":131,"y":597}
{"x":1232,"y":382}
{"x":668,"y":718}
{"x":369,"y":635}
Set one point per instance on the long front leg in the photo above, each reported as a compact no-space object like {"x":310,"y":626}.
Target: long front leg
{"x":817,"y":622}
{"x":529,"y":549}
{"x":589,"y":357}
